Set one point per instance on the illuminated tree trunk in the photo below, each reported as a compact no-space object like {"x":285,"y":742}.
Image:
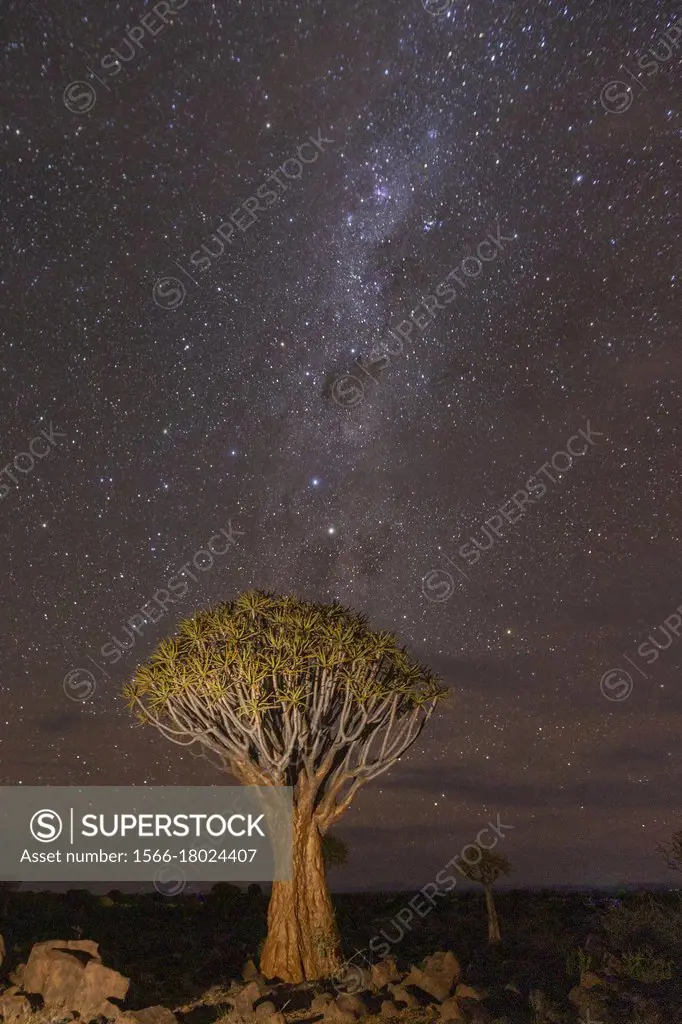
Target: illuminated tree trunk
{"x":303,"y":942}
{"x":493,"y":923}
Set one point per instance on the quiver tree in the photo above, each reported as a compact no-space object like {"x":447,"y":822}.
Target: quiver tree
{"x":486,"y":871}
{"x":334,"y":851}
{"x":282,"y":692}
{"x":672,"y":851}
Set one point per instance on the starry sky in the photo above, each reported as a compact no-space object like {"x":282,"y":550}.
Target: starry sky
{"x":253,"y":391}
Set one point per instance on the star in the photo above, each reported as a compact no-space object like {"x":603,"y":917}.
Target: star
{"x":319,"y":274}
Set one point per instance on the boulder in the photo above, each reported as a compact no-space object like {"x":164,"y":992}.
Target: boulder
{"x":17,"y":975}
{"x":245,"y":998}
{"x":265,"y":1009}
{"x":69,"y":974}
{"x":467,"y":992}
{"x":41,"y":959}
{"x":100,"y":984}
{"x":86,"y":946}
{"x":450,"y":1009}
{"x":438,"y":975}
{"x":14,"y":1007}
{"x":56,"y":975}
{"x":401,"y":995}
{"x":335,"y":1013}
{"x":389,"y":1008}
{"x":353,"y":978}
{"x":383,"y":972}
{"x":250,"y":972}
{"x":352,"y":1004}
{"x":150,"y":1015}
{"x":443,"y":962}
{"x":276,"y":1018}
{"x":319,"y":1002}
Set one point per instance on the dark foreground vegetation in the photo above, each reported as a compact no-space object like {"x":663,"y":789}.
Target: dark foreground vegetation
{"x":562,"y":956}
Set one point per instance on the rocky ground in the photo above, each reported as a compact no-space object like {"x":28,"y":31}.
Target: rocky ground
{"x":168,"y":966}
{"x":65,"y":980}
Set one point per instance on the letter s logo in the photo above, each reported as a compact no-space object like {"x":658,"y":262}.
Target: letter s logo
{"x":46,"y":826}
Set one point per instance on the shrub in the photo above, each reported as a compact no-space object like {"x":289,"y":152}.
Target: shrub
{"x":644,"y":965}
{"x":645,"y":921}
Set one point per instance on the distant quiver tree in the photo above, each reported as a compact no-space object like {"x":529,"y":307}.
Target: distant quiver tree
{"x":485,"y":872}
{"x":672,"y":851}
{"x":334,"y":851}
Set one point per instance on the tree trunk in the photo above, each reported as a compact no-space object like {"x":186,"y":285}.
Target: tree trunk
{"x":303,"y":942}
{"x":493,"y":923}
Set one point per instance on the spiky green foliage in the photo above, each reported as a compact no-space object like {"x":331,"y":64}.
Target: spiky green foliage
{"x":284,"y":691}
{"x":488,"y":869}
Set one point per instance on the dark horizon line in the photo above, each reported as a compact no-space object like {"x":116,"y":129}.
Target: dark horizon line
{"x":198,"y":888}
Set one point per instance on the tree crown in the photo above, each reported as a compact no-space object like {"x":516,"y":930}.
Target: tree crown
{"x":269,"y":644}
{"x":488,"y":869}
{"x":277,"y":686}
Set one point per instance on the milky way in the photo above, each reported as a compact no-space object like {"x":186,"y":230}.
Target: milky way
{"x":308,"y":395}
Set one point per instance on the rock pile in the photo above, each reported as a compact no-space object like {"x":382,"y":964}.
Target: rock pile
{"x":65,"y":981}
{"x":66,"y":977}
{"x":382,"y":990}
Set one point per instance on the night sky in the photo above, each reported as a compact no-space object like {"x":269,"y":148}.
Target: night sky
{"x":262,"y":403}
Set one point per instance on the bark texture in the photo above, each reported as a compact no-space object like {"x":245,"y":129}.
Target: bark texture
{"x":303,"y":942}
